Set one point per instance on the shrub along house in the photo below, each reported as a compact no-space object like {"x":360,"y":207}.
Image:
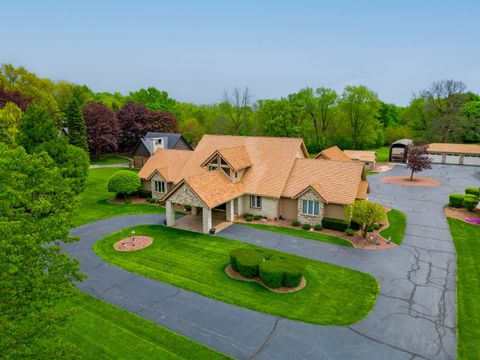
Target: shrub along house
{"x":153,"y":141}
{"x":271,"y":177}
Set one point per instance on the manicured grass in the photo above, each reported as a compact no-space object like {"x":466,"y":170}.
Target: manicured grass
{"x":109,"y":160}
{"x":398,"y":222}
{"x":300,"y":233}
{"x":371,"y":173}
{"x":102,"y":331}
{"x":466,"y":238}
{"x":93,"y":200}
{"x":383,"y":153}
{"x":333,"y":295}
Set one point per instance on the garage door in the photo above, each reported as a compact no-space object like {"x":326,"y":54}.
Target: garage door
{"x":435,"y":158}
{"x":471,"y":160}
{"x":452,"y":159}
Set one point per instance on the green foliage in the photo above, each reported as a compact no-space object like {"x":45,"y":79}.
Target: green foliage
{"x":10,"y":116}
{"x":148,"y":194}
{"x":350,"y":232}
{"x":257,"y":217}
{"x":306,"y":226}
{"x":365,"y":213}
{"x":248,"y":262}
{"x":272,"y":273}
{"x":318,"y":227}
{"x":473,"y":191}
{"x":36,"y":209}
{"x":36,"y":128}
{"x":470,"y":203}
{"x":124,"y":183}
{"x":295,"y":223}
{"x":234,"y":254}
{"x":77,"y":132}
{"x":249,"y":218}
{"x":334,"y":224}
{"x":293,"y":273}
{"x":456,"y":200}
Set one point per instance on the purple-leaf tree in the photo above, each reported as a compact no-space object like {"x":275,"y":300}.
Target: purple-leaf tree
{"x":133,"y":119}
{"x":417,"y":158}
{"x":103,"y":130}
{"x":163,"y":121}
{"x":15,"y":97}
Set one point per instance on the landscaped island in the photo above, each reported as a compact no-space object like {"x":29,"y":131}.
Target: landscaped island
{"x":333,"y":296}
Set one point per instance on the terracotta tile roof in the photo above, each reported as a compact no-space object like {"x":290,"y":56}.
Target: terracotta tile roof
{"x":236,"y":156}
{"x":333,"y":153}
{"x":214,"y":188}
{"x":169,"y":162}
{"x":362,"y":189}
{"x":361,"y":155}
{"x":454,"y":148}
{"x":336,"y":181}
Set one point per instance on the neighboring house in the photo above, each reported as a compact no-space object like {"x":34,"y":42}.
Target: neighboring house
{"x":458,"y":154}
{"x":271,"y":177}
{"x":369,"y":158}
{"x":399,"y":150}
{"x":153,"y":141}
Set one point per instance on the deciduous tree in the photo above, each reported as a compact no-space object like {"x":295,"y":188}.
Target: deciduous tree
{"x":365,"y":213}
{"x":36,"y":127}
{"x":162,"y":121}
{"x":417,"y":158}
{"x":133,"y":120}
{"x":15,"y":97}
{"x":10,"y":116}
{"x":36,"y":209}
{"x":103,"y":130}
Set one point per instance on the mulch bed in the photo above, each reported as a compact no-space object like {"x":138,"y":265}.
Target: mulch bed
{"x":237,"y":276}
{"x":462,"y":214}
{"x":133,"y":243}
{"x":405,"y":181}
{"x":374,"y":240}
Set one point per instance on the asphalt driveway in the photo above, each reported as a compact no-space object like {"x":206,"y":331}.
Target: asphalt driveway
{"x":414,"y":316}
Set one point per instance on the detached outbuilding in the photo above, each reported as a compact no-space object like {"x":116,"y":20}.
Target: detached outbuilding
{"x":457,"y":154}
{"x":399,"y":150}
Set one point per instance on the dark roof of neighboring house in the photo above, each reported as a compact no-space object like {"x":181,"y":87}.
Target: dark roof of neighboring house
{"x":171,"y":140}
{"x":405,"y":142}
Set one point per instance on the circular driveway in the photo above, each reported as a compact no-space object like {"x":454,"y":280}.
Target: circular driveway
{"x":414,"y":316}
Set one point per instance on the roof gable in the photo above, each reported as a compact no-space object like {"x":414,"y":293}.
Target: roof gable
{"x":333,"y":153}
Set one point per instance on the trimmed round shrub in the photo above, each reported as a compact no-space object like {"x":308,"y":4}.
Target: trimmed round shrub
{"x":124,"y":183}
{"x":272,"y":272}
{"x":456,"y":200}
{"x":257,"y":217}
{"x":249,"y":218}
{"x":246,"y":215}
{"x":234,"y":254}
{"x":295,"y":223}
{"x":318,"y":227}
{"x":293,"y":272}
{"x":355,"y":226}
{"x":307,"y":226}
{"x":247,"y":264}
{"x":470,"y":203}
{"x":350,"y":232}
{"x":473,"y":191}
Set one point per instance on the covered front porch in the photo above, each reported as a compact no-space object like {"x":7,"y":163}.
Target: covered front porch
{"x":202,"y":219}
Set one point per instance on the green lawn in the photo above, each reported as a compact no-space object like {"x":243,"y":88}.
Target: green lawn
{"x":466,"y":238}
{"x":109,"y":160}
{"x":300,"y":233}
{"x":93,"y":200}
{"x":103,"y":331}
{"x":383,"y":153}
{"x":396,"y":230}
{"x":333,"y":295}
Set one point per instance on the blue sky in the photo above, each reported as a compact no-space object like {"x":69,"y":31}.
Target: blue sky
{"x":197,"y":49}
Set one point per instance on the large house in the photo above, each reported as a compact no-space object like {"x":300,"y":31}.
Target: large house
{"x":369,"y":158}
{"x":271,"y":177}
{"x":153,"y":141}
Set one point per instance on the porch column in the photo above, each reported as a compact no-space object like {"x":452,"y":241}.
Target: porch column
{"x":240,"y":205}
{"x":230,"y":211}
{"x":206,"y":219}
{"x":170,"y":213}
{"x":194,"y":210}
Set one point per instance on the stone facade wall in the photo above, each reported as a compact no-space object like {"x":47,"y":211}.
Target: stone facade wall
{"x":156,"y":194}
{"x":310,"y":219}
{"x":185,"y":196}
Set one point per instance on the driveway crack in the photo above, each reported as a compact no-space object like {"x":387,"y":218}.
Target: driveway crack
{"x":267,"y":341}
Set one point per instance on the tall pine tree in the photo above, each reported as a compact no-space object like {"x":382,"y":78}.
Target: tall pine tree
{"x":77,"y":133}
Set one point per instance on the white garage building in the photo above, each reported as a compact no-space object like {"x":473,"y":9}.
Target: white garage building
{"x":458,"y":154}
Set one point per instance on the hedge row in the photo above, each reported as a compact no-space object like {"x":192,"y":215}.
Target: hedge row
{"x":469,"y":200}
{"x":274,"y":270}
{"x":334,"y":224}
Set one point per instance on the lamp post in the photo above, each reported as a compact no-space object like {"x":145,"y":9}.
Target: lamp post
{"x":133,"y":237}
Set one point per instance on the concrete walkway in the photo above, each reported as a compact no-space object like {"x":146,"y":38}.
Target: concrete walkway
{"x":101,"y":166}
{"x":414,"y":316}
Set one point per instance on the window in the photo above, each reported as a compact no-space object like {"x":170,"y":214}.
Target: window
{"x":310,"y":207}
{"x":212,"y":167}
{"x":159,"y":186}
{"x":226,"y":170}
{"x":255,"y":202}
